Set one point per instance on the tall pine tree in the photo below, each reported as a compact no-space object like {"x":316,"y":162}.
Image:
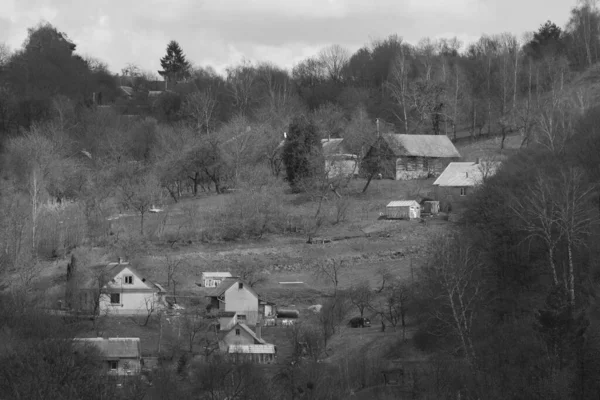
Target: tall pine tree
{"x":302,"y":152}
{"x":175,"y":66}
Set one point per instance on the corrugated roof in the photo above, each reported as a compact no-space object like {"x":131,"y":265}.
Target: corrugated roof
{"x":465,"y":174}
{"x":439,"y":146}
{"x":252,"y":349}
{"x":403,"y":203}
{"x":216,"y":274}
{"x":115,"y":347}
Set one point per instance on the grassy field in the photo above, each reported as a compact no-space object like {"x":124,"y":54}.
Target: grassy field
{"x":370,"y":243}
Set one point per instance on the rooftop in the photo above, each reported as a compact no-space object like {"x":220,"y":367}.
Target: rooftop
{"x":115,"y":347}
{"x":252,"y":348}
{"x":403,"y":203}
{"x":439,"y":146}
{"x":463,"y":174}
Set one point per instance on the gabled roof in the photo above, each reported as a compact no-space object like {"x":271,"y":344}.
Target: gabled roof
{"x":246,"y":328}
{"x":110,"y":270}
{"x":127,"y":90}
{"x":331,"y":147}
{"x":217,"y":274}
{"x":438,"y":146}
{"x":226,"y":284}
{"x":114,"y":347}
{"x":403,"y":203}
{"x":463,"y":174}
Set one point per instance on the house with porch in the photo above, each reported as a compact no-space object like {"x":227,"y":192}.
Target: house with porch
{"x":244,"y":345}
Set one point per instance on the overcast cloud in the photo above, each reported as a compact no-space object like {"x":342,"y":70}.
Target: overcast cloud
{"x":222,"y":32}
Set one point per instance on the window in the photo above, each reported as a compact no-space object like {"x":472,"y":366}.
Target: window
{"x":463,"y":191}
{"x":129,"y":279}
{"x":241,"y":317}
{"x":115,"y":298}
{"x":240,"y":285}
{"x":237,"y":332}
{"x":113,"y":365}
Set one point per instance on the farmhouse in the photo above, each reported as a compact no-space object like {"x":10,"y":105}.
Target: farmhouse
{"x":233,"y":295}
{"x":404,"y":157}
{"x":114,"y":288}
{"x":213,"y":279}
{"x":120,"y":356}
{"x":244,"y":345}
{"x":460,"y":179}
{"x":403,"y":209}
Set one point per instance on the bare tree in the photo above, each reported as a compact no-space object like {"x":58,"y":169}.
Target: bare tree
{"x":330,"y":272}
{"x":334,"y":58}
{"x":240,"y":80}
{"x":193,"y":323}
{"x":361,"y":296}
{"x":453,"y":277}
{"x":200,"y":106}
{"x":536,"y":209}
{"x":4,"y":54}
{"x":574,"y":219}
{"x":251,"y":273}
{"x":172,"y":266}
{"x":140,"y":192}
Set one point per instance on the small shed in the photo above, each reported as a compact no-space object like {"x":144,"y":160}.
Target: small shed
{"x":403,"y":209}
{"x":431,"y":207}
{"x":213,"y":279}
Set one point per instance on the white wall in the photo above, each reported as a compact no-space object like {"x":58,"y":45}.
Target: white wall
{"x":132,"y":302}
{"x":243,"y":302}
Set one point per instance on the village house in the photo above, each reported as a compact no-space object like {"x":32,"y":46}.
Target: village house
{"x":338,"y":159}
{"x":120,"y":356}
{"x":460,"y":179}
{"x":234,"y":301}
{"x":244,"y":345}
{"x":213,"y":279}
{"x":404,"y":157}
{"x":114,"y":289}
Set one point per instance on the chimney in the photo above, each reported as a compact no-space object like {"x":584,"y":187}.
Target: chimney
{"x":120,"y":260}
{"x":467,"y":174}
{"x":378,"y":133}
{"x":258,"y":331}
{"x":284,"y":135}
{"x":328,"y":137}
{"x":477,"y":160}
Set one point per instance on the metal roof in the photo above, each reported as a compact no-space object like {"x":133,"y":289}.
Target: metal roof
{"x":252,"y":348}
{"x":403,"y":203}
{"x":216,"y":274}
{"x":464,"y":174}
{"x":437,"y":146}
{"x":115,"y":347}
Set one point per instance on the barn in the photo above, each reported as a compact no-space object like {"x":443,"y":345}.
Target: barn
{"x":403,"y":209}
{"x":405,"y":157}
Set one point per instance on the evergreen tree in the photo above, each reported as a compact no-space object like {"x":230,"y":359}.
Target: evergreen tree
{"x":174,"y":64}
{"x":301,"y":150}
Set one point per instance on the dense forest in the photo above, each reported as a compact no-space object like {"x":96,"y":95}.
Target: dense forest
{"x":506,"y":305}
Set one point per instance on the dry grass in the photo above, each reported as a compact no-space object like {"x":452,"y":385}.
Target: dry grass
{"x":490,"y":149}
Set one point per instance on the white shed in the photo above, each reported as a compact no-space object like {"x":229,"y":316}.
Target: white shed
{"x":213,"y":279}
{"x":403,"y":209}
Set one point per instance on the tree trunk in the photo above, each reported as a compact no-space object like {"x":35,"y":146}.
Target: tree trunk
{"x":571,"y":277}
{"x":552,"y":265}
{"x":142,"y":223}
{"x":455,"y":106}
{"x":368,"y":182}
{"x":489,"y":95}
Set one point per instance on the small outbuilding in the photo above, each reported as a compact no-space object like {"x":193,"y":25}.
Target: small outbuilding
{"x":403,"y":209}
{"x":213,"y":279}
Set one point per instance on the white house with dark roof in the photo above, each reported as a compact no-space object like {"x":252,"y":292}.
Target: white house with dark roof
{"x":404,"y":157}
{"x":234,"y":301}
{"x":117,"y":288}
{"x":121,"y":356}
{"x":460,"y":179}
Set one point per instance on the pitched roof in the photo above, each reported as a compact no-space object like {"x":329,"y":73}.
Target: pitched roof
{"x":127,"y":90}
{"x":225,"y":285}
{"x":246,"y":328}
{"x":217,"y":274}
{"x":110,"y":270}
{"x":332,"y":146}
{"x":461,"y":174}
{"x":114,"y":347}
{"x":420,"y":145}
{"x":403,"y":203}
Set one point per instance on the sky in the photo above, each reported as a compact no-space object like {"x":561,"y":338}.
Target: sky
{"x":222,"y":33}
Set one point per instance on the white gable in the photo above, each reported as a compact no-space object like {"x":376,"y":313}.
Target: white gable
{"x":127,"y":279}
